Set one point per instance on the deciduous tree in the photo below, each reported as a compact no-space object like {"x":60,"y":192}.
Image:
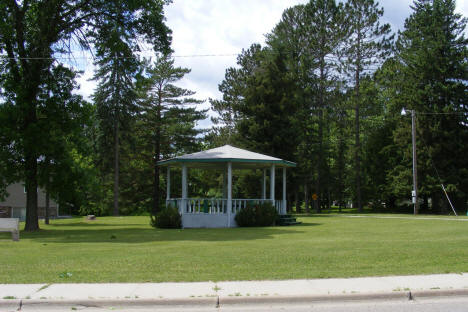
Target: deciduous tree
{"x":33,"y":34}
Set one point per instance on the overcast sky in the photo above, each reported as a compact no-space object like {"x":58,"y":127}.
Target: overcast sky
{"x":225,"y":27}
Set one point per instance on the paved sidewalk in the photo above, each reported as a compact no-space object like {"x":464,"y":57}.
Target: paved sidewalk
{"x":214,"y":293}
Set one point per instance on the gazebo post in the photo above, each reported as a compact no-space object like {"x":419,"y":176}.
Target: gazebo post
{"x":272,"y":184}
{"x":229,"y":193}
{"x":224,"y":184}
{"x":168,"y":184}
{"x":284,"y":208}
{"x":184,"y":189}
{"x":264,"y":184}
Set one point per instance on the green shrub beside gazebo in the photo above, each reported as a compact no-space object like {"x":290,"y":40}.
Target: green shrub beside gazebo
{"x":220,"y":212}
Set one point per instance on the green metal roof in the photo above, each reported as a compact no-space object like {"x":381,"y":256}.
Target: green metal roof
{"x":217,"y":156}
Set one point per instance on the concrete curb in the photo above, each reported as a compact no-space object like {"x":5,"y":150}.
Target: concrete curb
{"x":10,"y":304}
{"x":241,"y":300}
{"x":312,"y":298}
{"x":403,"y":295}
{"x":196,"y":302}
{"x":440,"y":293}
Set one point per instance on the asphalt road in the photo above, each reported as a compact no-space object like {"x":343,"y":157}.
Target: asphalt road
{"x":447,"y":304}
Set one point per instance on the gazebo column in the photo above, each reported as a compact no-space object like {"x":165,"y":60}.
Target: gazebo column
{"x":224,"y":184}
{"x":264,"y":184}
{"x":284,"y":208}
{"x":184,"y":189}
{"x":229,"y":193}
{"x":272,"y":184}
{"x":168,"y":184}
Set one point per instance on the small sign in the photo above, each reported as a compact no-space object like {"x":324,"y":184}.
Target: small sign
{"x":314,"y":196}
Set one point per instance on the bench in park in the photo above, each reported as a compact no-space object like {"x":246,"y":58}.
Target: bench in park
{"x":10,"y":225}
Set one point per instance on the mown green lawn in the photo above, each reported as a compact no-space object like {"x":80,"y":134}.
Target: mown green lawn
{"x":127,"y":249}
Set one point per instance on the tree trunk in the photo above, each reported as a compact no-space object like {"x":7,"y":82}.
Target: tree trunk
{"x":47,"y":204}
{"x":425,"y":205}
{"x":340,"y":169}
{"x":30,"y":163}
{"x":357,"y":150}
{"x":156,"y":178}
{"x":318,"y":186}
{"x":306,"y":198}
{"x":296,"y":201}
{"x":316,"y":204}
{"x":32,"y":223}
{"x":116,"y":165}
{"x":157,"y":154}
{"x":47,"y":187}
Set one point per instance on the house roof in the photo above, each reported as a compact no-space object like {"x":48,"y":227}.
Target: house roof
{"x":216,"y":157}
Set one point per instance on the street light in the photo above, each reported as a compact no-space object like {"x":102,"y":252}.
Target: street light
{"x":414,"y":193}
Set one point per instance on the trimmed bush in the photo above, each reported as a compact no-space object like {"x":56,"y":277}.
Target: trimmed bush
{"x":263,"y":214}
{"x":168,"y":218}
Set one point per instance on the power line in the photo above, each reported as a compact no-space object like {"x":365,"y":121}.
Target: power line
{"x":204,"y":55}
{"x":114,"y":57}
{"x":151,"y":50}
{"x":447,"y":113}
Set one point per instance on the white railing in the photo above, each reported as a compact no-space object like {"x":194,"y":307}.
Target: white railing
{"x":217,"y":205}
{"x":279,"y":207}
{"x":203,"y":205}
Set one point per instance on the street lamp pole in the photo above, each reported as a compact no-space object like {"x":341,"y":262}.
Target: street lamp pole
{"x":415,"y":168}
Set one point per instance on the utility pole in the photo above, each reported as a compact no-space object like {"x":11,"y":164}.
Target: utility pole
{"x":415,"y":168}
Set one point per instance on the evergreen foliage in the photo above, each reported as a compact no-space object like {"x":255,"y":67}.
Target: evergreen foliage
{"x":367,"y":44}
{"x":262,"y":214}
{"x":433,"y":68}
{"x":115,"y":96}
{"x":167,"y":218}
{"x":327,"y":89}
{"x":169,"y":117}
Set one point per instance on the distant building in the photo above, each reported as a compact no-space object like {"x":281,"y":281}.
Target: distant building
{"x":14,"y":205}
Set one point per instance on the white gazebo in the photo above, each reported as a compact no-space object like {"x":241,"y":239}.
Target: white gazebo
{"x":220,"y":212}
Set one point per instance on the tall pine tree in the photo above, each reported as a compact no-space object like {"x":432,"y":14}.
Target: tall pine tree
{"x":367,"y":44}
{"x":169,"y":115}
{"x":433,"y":75}
{"x":115,"y":96}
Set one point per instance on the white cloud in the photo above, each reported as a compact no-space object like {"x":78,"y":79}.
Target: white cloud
{"x":462,"y":8}
{"x":206,"y":27}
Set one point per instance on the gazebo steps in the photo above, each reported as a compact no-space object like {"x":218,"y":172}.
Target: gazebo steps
{"x":286,"y":220}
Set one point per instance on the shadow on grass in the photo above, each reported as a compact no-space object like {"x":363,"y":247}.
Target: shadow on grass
{"x":315,"y":215}
{"x":307,"y":224}
{"x":92,"y":224}
{"x":130,"y":235}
